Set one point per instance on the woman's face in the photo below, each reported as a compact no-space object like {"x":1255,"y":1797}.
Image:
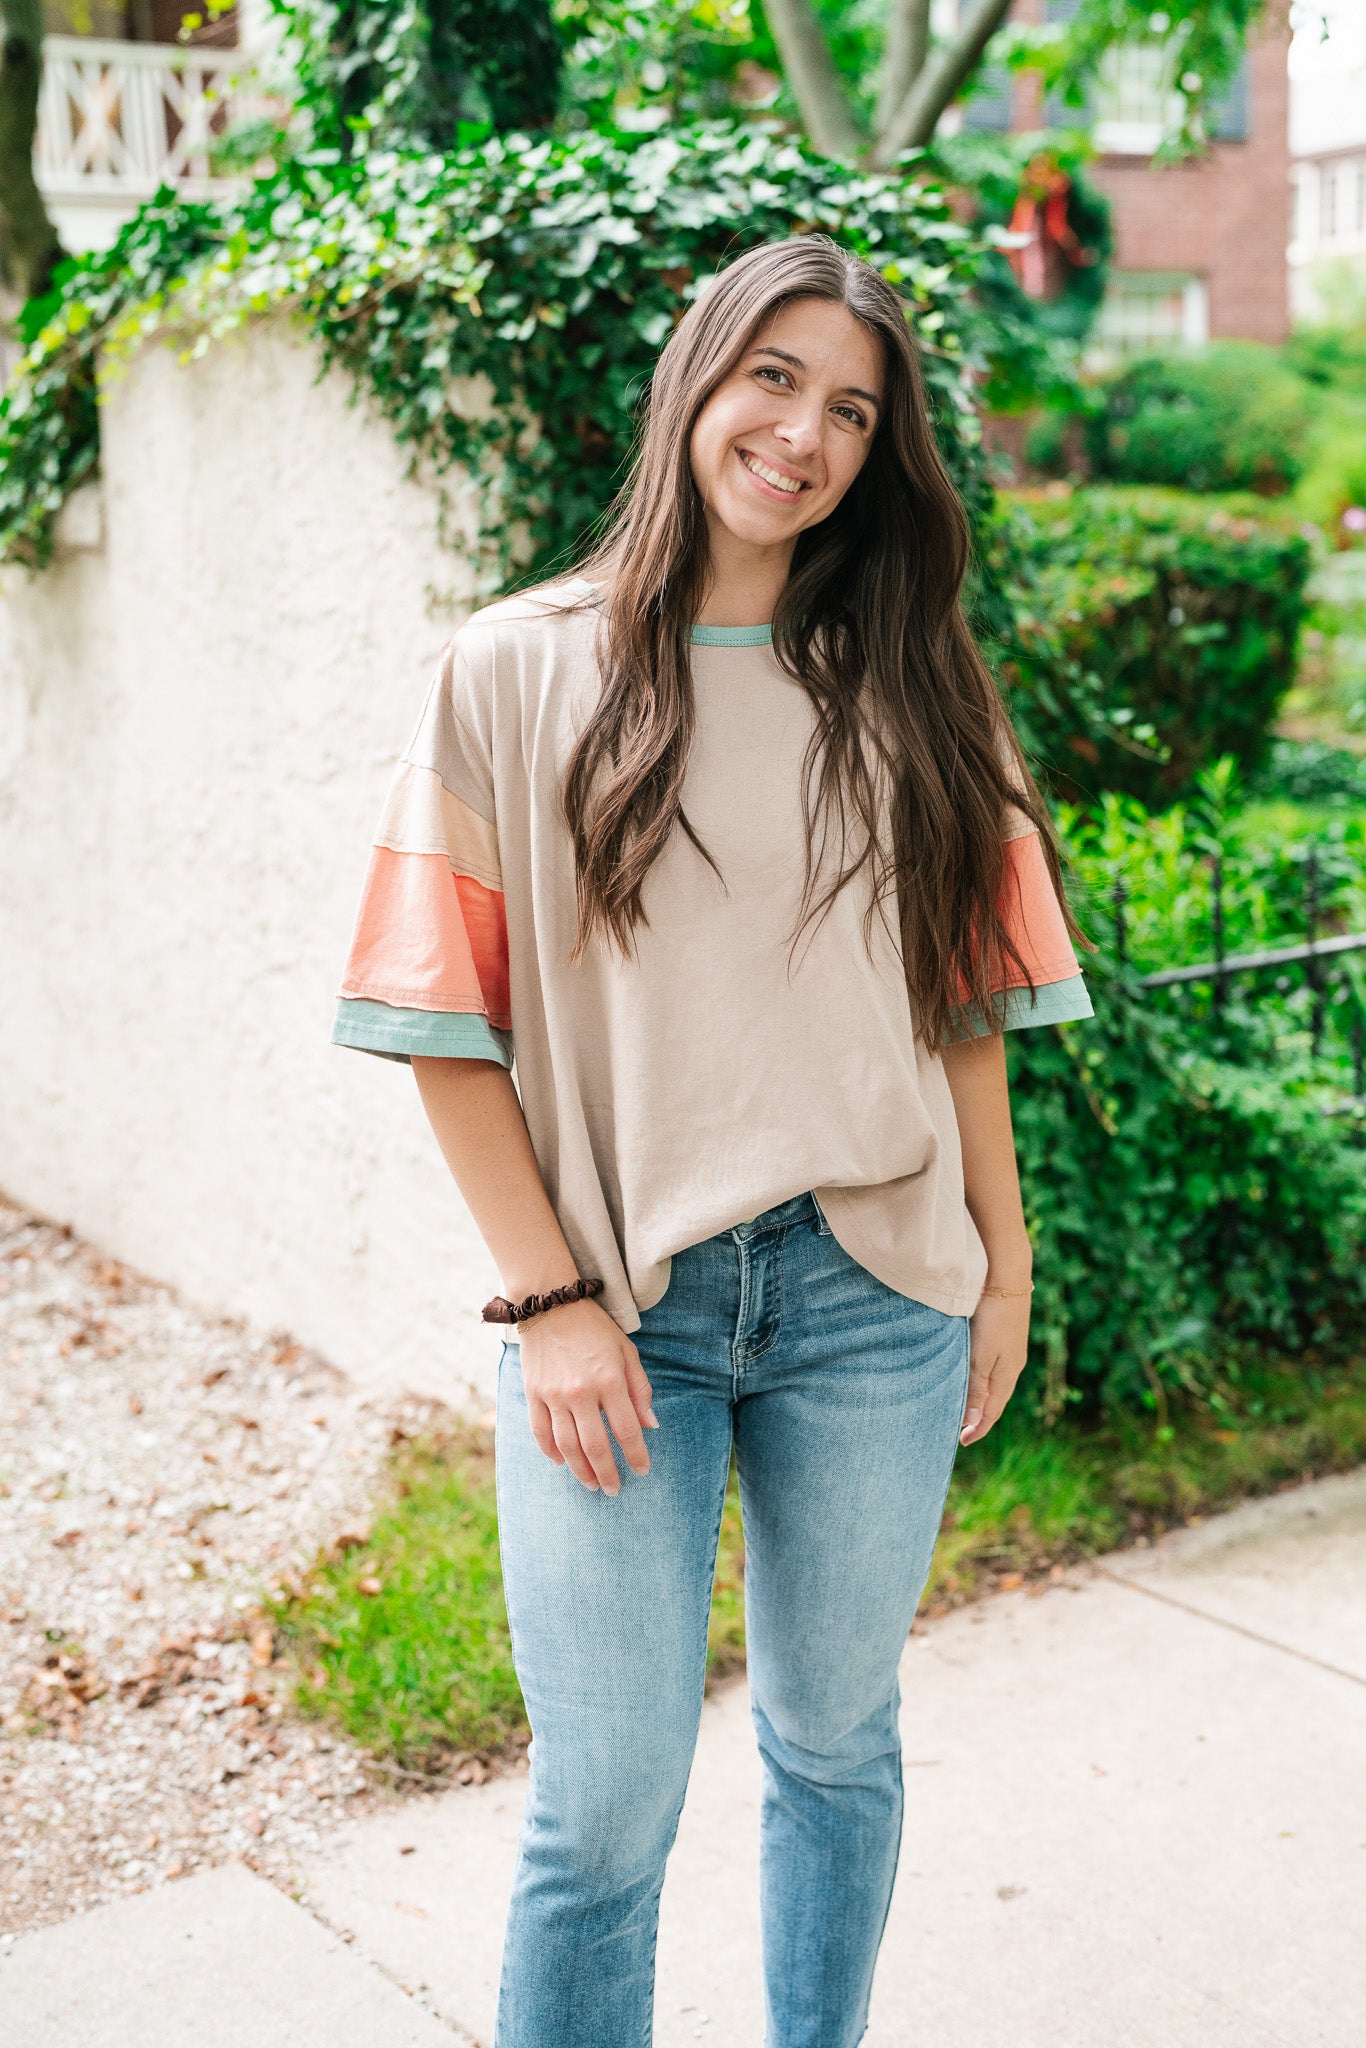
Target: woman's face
{"x":781,"y":439}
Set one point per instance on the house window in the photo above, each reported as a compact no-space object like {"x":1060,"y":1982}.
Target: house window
{"x":1328,"y":202}
{"x":1135,"y":106}
{"x":1145,"y":311}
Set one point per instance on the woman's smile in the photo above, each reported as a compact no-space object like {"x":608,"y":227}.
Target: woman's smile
{"x":773,"y":481}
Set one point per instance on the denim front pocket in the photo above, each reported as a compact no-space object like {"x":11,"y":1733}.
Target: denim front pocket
{"x":821,"y":1225}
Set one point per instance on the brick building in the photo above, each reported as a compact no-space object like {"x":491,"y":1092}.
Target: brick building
{"x":1200,"y":246}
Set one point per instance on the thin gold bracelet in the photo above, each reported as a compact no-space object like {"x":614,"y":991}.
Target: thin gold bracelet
{"x":1010,"y":1293}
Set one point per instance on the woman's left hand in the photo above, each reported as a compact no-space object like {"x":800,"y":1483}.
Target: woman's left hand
{"x":1000,"y":1340}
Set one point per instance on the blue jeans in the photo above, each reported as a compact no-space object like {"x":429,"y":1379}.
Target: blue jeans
{"x":842,"y":1400}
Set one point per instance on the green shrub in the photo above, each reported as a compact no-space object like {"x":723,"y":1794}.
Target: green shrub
{"x":1334,"y":478}
{"x":1328,"y":356}
{"x":1231,"y":417}
{"x":1184,"y":1207}
{"x":1310,"y":772}
{"x":1147,"y":612}
{"x":1193,"y":1171}
{"x":1048,"y":444}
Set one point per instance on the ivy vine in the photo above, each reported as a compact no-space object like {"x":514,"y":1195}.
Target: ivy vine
{"x":542,"y":271}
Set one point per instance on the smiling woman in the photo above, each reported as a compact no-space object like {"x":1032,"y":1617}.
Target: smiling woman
{"x":727,"y":845}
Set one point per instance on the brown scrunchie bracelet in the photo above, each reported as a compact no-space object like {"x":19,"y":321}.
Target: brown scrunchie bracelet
{"x":501,"y":1310}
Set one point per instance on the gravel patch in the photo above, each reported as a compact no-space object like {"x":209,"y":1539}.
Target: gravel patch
{"x":159,"y":1468}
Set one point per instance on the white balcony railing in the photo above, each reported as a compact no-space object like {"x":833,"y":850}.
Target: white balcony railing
{"x":116,"y":120}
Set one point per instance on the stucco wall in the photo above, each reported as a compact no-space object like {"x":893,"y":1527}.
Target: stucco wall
{"x":198,"y":715}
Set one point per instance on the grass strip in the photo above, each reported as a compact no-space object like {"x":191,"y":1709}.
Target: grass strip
{"x":398,"y":1634}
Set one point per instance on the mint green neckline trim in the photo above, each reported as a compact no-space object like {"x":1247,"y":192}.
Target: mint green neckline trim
{"x":732,"y":636}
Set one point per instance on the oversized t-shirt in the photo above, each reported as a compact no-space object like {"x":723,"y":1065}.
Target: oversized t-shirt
{"x":682,"y":1090}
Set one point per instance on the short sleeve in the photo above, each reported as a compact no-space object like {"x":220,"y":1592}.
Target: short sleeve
{"x":1033,"y":919}
{"x":427,"y":972}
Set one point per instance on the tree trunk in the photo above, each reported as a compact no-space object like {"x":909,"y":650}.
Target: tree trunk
{"x":810,"y":69}
{"x":29,"y":247}
{"x":946,"y":72}
{"x":908,"y":44}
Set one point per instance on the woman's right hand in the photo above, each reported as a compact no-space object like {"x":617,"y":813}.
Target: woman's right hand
{"x":579,"y":1366}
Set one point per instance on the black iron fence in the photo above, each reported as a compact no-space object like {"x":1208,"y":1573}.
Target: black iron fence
{"x":1319,"y":957}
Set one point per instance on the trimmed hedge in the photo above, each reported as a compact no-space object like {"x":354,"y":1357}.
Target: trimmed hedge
{"x":1148,"y":613}
{"x":1231,"y":418}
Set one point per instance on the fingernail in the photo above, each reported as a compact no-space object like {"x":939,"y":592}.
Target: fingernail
{"x":651,"y":1419}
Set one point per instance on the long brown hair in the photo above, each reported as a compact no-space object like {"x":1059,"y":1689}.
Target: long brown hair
{"x":869,"y":622}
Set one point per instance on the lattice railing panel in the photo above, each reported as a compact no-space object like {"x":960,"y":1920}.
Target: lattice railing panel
{"x":123,"y":118}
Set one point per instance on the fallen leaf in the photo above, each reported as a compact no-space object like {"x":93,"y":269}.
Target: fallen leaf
{"x":262,"y":1646}
{"x":1010,"y":1582}
{"x":135,"y":1404}
{"x":417,"y":1912}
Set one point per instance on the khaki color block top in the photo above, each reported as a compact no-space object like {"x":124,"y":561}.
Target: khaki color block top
{"x":677,"y":1093}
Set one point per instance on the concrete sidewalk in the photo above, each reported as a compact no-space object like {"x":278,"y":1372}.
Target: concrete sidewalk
{"x":1136,"y":1818}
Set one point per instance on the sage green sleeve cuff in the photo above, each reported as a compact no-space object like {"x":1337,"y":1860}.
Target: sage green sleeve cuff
{"x":1056,"y":1002}
{"x":433,"y":1034}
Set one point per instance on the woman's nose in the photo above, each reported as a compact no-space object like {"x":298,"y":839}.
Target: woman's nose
{"x":801,"y":429}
